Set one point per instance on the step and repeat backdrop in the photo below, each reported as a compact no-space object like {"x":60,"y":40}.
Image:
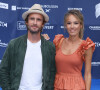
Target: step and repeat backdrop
{"x":12,"y":25}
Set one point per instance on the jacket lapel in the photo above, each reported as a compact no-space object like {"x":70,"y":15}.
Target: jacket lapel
{"x":45,"y":61}
{"x":22,"y":52}
{"x":43,"y":54}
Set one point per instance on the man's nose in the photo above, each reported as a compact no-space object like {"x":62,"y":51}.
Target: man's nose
{"x":35,"y":21}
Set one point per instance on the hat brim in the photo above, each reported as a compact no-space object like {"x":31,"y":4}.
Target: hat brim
{"x":46,"y":17}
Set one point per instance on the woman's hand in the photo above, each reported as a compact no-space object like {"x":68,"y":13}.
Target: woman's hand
{"x":46,"y":36}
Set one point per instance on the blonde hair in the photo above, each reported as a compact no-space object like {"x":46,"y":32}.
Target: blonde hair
{"x":78,"y":15}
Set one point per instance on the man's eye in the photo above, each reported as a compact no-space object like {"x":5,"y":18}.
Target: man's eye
{"x":31,"y":18}
{"x":39,"y":19}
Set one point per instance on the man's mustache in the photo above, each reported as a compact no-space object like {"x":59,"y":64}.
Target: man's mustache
{"x":34,"y":26}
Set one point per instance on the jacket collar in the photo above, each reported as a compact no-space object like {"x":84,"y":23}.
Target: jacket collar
{"x":26,"y":36}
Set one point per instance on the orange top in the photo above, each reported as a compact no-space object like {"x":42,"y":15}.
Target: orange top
{"x":69,"y":67}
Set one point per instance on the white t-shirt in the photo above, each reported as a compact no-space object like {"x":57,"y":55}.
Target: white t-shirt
{"x":32,"y":69}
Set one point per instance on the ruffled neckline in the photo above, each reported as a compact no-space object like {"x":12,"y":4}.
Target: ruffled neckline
{"x":81,"y":44}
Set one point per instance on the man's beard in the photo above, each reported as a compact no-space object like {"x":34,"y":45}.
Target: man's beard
{"x":34,"y":32}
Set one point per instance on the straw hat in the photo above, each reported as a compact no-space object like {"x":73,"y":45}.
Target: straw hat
{"x":36,"y":8}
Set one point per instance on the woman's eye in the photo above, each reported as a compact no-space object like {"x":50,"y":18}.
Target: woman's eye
{"x":68,"y":23}
{"x":76,"y":23}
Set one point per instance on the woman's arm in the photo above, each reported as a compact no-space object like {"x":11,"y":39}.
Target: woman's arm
{"x":87,"y":75}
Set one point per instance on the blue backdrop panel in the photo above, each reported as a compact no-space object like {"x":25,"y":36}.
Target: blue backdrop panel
{"x":12,"y":25}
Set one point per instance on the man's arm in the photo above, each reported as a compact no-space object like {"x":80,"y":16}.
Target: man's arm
{"x":5,"y":70}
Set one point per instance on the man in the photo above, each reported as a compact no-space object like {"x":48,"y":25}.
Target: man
{"x":29,"y":60}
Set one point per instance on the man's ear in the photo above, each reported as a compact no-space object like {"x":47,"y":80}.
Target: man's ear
{"x":43,"y":24}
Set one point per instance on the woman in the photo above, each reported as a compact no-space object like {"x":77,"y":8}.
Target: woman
{"x":71,"y":52}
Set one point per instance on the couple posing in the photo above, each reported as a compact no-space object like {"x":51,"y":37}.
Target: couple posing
{"x":31,"y":62}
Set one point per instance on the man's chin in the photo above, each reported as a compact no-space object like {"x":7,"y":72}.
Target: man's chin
{"x":34,"y":32}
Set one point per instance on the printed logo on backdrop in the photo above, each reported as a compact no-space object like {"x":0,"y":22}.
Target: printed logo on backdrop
{"x":3,"y":44}
{"x":62,"y":27}
{"x":21,"y":25}
{"x":48,"y":26}
{"x":80,"y":9}
{"x":0,"y":61}
{"x":97,"y":44}
{"x":3,"y":24}
{"x":3,"y":5}
{"x":14,"y":8}
{"x":97,"y":14}
{"x":95,"y":63}
{"x":47,"y":8}
{"x":94,"y":27}
{"x":97,"y":10}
